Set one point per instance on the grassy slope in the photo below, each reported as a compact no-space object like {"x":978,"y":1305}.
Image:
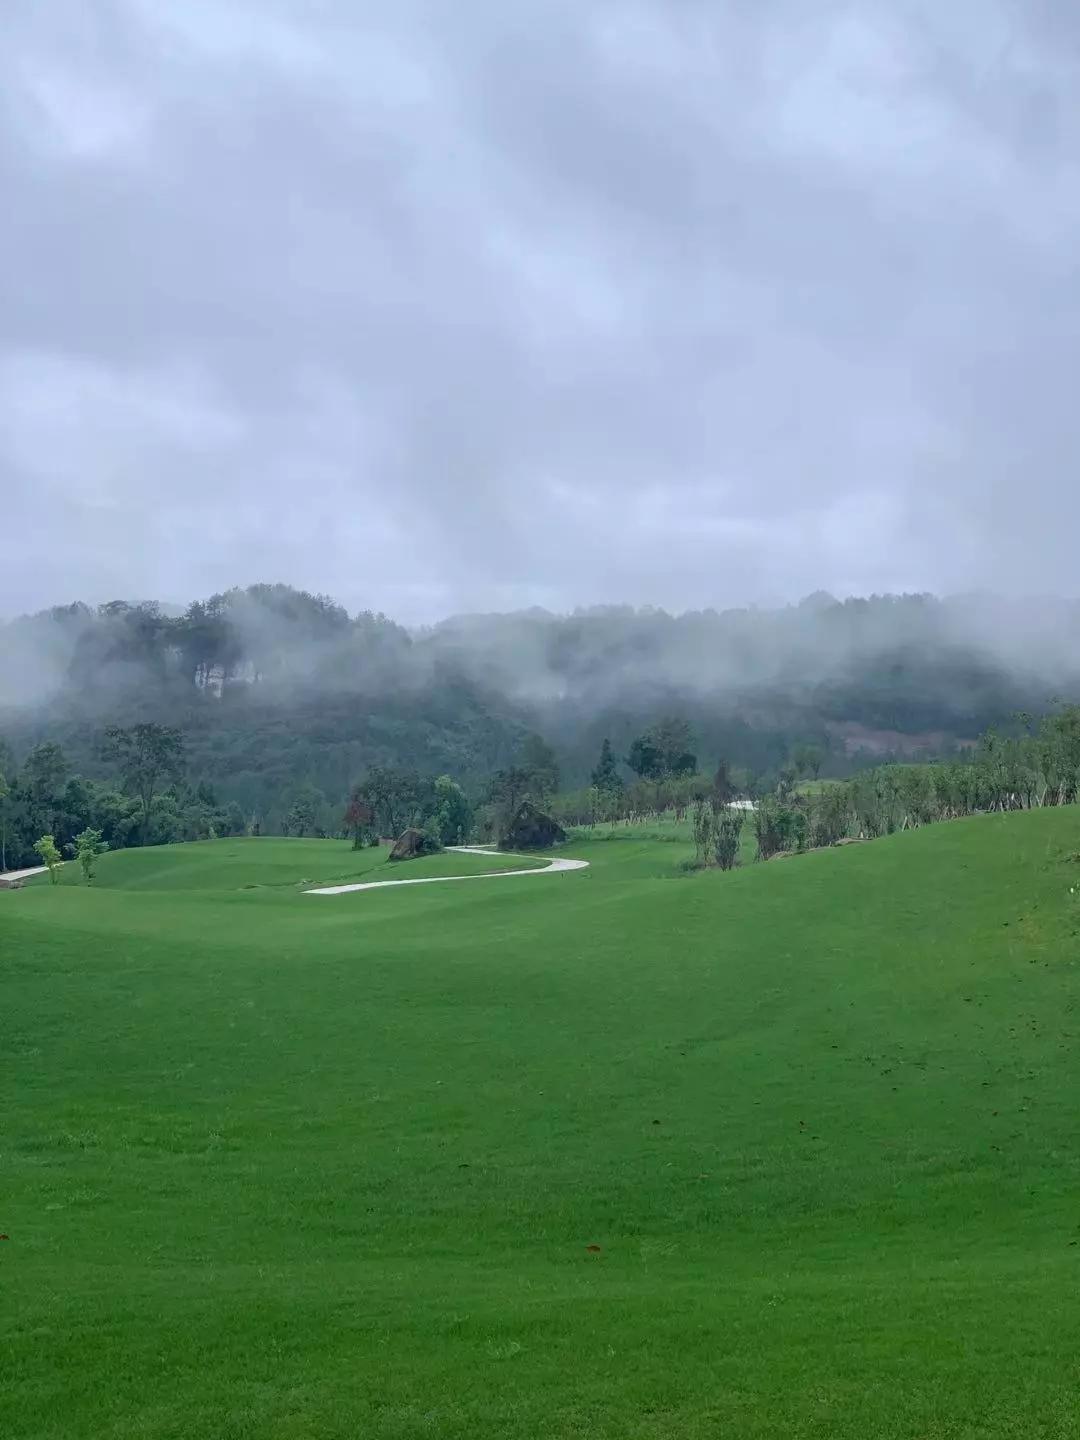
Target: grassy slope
{"x":677,"y":833}
{"x":270,"y":862}
{"x":284,"y":1167}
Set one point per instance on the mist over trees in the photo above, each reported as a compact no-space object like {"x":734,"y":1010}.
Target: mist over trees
{"x":286,"y":702}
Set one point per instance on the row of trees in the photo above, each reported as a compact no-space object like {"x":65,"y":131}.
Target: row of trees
{"x":388,"y":801}
{"x":148,"y":803}
{"x":667,"y":778}
{"x":1040,"y":766}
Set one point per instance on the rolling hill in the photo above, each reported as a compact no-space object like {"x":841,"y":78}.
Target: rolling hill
{"x":785,"y":1152}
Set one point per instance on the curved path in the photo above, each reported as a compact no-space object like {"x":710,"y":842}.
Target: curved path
{"x":549,"y":869}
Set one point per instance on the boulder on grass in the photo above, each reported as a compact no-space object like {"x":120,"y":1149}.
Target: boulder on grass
{"x":413,"y":843}
{"x":531,"y":829}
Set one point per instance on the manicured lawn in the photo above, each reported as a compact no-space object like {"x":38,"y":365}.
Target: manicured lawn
{"x":283,"y":1166}
{"x":271,"y":862}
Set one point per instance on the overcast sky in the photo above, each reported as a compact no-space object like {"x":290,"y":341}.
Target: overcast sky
{"x":476,"y":305}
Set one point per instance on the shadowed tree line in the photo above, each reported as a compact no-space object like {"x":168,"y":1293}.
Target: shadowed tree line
{"x":284,"y":700}
{"x":277,"y":688}
{"x":151,"y":802}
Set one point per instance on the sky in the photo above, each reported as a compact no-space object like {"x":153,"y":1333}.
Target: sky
{"x":441,"y":306}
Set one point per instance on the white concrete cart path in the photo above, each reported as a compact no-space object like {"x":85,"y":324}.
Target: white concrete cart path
{"x":551,"y":868}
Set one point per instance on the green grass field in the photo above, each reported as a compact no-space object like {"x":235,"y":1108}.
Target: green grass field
{"x":666,"y":829}
{"x":619,"y":1153}
{"x":271,"y":863}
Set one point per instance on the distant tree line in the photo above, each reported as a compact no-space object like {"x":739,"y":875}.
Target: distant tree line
{"x":799,"y":811}
{"x":147,"y":803}
{"x":46,"y":811}
{"x":1038,"y":767}
{"x":285,"y":699}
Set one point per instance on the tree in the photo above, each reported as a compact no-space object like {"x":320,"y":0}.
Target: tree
{"x":50,"y":856}
{"x":727,"y":829}
{"x":395,"y":795}
{"x":145,"y":754}
{"x":606,"y":777}
{"x":723,"y":790}
{"x":304,"y":812}
{"x":644,"y":758}
{"x":44,"y":773}
{"x":808,"y":760}
{"x":452,"y":817}
{"x":662,"y":754}
{"x":663,"y":751}
{"x":538,"y":760}
{"x":41,"y":783}
{"x":88,"y":846}
{"x":703,"y":831}
{"x":232,"y":819}
{"x":359,"y":817}
{"x":5,"y":795}
{"x":508,"y":788}
{"x":830,"y":815}
{"x":778,"y":827}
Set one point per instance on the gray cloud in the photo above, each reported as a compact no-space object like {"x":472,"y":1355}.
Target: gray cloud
{"x":447,"y":307}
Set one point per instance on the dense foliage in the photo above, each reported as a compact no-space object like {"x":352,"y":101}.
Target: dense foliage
{"x":285,"y":704}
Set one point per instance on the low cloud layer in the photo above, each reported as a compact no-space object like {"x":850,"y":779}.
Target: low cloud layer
{"x":443,"y":308}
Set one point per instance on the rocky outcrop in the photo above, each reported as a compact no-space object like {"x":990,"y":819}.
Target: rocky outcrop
{"x":413,"y":843}
{"x":530,"y":829}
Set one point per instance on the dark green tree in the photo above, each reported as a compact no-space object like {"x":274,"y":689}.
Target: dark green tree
{"x":508,"y":788}
{"x":606,"y":777}
{"x":723,"y":788}
{"x":360,"y":818}
{"x":5,"y":796}
{"x":538,"y":760}
{"x":452,"y":816}
{"x":664,"y":751}
{"x":145,"y":754}
{"x":727,"y":830}
{"x":396,"y":795}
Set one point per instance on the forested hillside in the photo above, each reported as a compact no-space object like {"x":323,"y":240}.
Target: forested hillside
{"x":279,"y":693}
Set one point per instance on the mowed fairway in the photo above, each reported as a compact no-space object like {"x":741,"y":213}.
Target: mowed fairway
{"x":620,"y":1153}
{"x":273,"y":863}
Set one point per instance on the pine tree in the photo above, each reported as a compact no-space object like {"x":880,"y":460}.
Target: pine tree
{"x":606,"y":777}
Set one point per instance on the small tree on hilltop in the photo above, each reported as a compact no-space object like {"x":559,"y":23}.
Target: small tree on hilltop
{"x":88,"y":846}
{"x":50,"y":856}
